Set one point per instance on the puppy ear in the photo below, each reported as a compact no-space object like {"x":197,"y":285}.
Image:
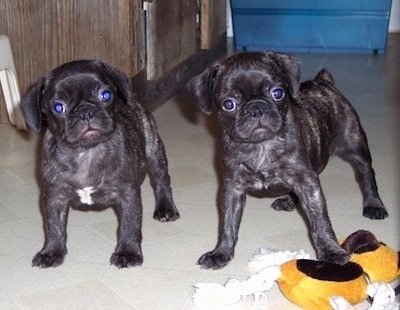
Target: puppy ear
{"x":292,"y":67}
{"x":120,"y":80}
{"x":202,"y":88}
{"x":31,"y":105}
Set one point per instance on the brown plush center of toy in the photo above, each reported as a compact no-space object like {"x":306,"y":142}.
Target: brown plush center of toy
{"x":329,"y":271}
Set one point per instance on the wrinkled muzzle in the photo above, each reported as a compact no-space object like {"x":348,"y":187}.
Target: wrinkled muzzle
{"x":257,"y":121}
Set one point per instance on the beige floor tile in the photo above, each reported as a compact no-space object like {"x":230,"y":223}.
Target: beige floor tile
{"x":91,"y":295}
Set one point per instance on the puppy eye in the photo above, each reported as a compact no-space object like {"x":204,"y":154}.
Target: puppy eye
{"x":228,"y":105}
{"x":106,"y":96}
{"x":59,"y":108}
{"x":277,"y":93}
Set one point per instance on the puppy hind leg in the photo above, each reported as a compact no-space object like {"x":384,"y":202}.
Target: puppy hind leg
{"x":358,"y":155}
{"x":165,"y":210}
{"x":285,"y":203}
{"x":373,"y":207}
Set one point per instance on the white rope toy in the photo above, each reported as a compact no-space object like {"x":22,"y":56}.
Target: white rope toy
{"x":382,"y":293}
{"x":216,"y":296}
{"x":265,"y":262}
{"x":271,"y":257}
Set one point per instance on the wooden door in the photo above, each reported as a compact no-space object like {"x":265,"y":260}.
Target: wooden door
{"x":171,"y":34}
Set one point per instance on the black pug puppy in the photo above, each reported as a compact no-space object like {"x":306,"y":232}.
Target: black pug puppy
{"x":96,"y":149}
{"x":278,"y":135}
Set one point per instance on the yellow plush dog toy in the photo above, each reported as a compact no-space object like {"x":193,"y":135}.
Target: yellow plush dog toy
{"x":313,"y":284}
{"x":379,"y":261}
{"x":310,"y":284}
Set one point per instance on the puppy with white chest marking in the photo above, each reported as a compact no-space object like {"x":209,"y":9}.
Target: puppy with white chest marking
{"x":97,"y":148}
{"x":278,"y":135}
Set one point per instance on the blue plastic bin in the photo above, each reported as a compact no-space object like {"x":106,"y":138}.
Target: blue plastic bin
{"x":311,"y":26}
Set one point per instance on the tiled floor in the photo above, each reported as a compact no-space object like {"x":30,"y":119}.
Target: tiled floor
{"x":87,"y":281}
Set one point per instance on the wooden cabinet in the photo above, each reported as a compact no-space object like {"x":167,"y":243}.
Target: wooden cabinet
{"x":148,"y":40}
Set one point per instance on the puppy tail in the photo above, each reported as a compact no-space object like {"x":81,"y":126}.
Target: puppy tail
{"x":324,"y":76}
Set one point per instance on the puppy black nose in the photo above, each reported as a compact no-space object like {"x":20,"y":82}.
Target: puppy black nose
{"x":86,"y":115}
{"x":256,"y":109}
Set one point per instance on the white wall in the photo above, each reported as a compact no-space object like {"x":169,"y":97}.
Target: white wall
{"x":394,"y":23}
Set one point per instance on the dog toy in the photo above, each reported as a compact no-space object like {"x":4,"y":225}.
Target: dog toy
{"x":313,"y":284}
{"x":378,"y":260}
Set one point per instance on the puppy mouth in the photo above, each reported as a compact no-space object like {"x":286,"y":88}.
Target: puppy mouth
{"x":258,"y":133}
{"x":250,"y":130}
{"x":91,"y":133}
{"x":272,"y":125}
{"x":88,"y":135}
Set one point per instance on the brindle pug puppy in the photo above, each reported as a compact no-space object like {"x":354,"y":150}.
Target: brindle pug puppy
{"x":96,"y":149}
{"x":278,"y":135}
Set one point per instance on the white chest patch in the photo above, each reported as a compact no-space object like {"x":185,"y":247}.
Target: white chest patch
{"x":85,"y":195}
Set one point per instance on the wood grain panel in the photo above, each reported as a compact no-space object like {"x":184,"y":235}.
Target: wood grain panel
{"x":171,"y":35}
{"x":213,"y":22}
{"x":47,"y":33}
{"x":98,"y":29}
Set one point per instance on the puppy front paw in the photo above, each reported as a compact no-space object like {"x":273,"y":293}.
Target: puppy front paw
{"x":375,"y":213}
{"x":166,"y":212}
{"x":126,"y":259}
{"x":48,"y":259}
{"x":214,"y":260}
{"x":340,"y":257}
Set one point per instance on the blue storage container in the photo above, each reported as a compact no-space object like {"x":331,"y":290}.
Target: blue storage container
{"x":311,"y":26}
